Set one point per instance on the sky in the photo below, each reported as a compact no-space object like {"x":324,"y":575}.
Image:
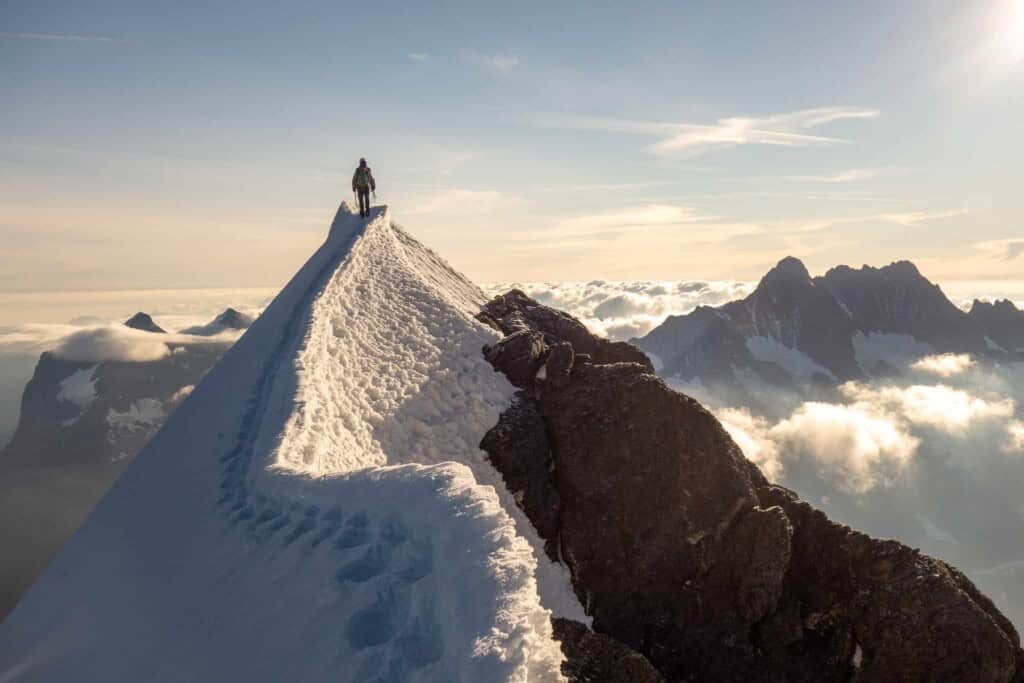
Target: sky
{"x":148,"y":146}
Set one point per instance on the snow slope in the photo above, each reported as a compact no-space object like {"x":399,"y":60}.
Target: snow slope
{"x":317,"y":508}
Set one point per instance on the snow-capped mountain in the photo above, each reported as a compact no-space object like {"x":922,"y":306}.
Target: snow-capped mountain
{"x":104,"y":410}
{"x":389,"y":478}
{"x":848,"y":324}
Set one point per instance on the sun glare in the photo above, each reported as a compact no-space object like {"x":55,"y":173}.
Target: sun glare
{"x":1010,"y":33}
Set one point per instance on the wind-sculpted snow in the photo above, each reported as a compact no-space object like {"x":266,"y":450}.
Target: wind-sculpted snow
{"x":317,"y":508}
{"x":391,"y":369}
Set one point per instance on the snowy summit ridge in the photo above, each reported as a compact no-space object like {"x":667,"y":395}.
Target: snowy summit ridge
{"x":319,"y":505}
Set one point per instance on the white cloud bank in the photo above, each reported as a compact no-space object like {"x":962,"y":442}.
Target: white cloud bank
{"x":949,"y":410}
{"x":856,"y":447}
{"x":119,"y":343}
{"x":853,"y":447}
{"x":621,"y":310}
{"x":868,"y":441}
{"x":112,"y":342}
{"x":944,"y":365}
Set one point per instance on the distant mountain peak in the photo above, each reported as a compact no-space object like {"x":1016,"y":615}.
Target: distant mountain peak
{"x":791,"y":266}
{"x":904,"y":269}
{"x":1001,"y":306}
{"x":230,"y":319}
{"x":234,"y":319}
{"x":901,"y":268}
{"x":827,"y":319}
{"x":788,"y":272}
{"x":143,"y":321}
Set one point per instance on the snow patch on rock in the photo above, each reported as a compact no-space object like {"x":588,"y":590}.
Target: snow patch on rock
{"x":144,"y":413}
{"x":79,"y":388}
{"x":897,"y":351}
{"x":797,"y":363}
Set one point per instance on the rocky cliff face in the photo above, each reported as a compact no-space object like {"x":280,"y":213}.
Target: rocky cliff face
{"x":685,"y":555}
{"x":797,"y":330}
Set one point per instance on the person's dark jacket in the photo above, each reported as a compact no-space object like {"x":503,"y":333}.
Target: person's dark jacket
{"x":362,"y":179}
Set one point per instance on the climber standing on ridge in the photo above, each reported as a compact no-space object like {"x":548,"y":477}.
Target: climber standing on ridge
{"x":363,"y":184}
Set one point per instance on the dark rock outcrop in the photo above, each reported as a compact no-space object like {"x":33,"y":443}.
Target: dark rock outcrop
{"x":515,"y":311}
{"x":143,"y":321}
{"x":681,"y":550}
{"x":229,"y":320}
{"x":595,"y":658}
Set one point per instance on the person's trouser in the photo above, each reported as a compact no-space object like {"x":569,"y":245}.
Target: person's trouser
{"x":364,"y":201}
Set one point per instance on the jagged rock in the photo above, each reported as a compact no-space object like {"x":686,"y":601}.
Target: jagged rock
{"x":912,"y":617}
{"x":515,"y":311}
{"x":595,"y":658}
{"x":521,"y":354}
{"x":142,"y":321}
{"x":558,"y":366}
{"x":682,"y":551}
{"x":752,"y":561}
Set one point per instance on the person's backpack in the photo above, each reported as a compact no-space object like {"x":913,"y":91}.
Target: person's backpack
{"x":363,"y":177}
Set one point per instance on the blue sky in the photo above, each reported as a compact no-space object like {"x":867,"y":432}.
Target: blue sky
{"x":148,"y":145}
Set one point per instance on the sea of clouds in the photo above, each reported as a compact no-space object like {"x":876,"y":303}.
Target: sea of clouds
{"x":621,"y":310}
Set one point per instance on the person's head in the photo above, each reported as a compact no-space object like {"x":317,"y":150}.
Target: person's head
{"x":362,"y":163}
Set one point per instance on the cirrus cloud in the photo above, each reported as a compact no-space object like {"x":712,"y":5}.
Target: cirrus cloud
{"x":787,"y":129}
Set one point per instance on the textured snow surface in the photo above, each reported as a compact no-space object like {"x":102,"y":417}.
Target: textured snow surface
{"x":317,"y":509}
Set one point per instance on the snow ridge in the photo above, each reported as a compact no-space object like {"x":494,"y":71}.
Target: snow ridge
{"x":317,"y":508}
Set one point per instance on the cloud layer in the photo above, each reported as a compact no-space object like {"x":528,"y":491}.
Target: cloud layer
{"x":621,"y":310}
